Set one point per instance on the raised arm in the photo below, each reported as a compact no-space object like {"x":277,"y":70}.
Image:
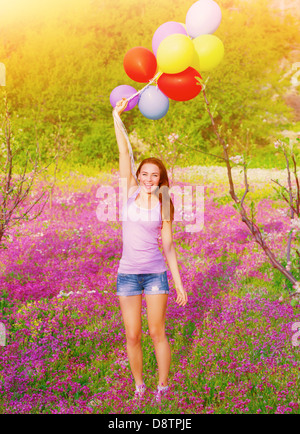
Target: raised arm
{"x":124,"y":156}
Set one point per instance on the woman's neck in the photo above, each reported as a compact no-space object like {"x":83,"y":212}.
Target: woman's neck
{"x":146,"y":200}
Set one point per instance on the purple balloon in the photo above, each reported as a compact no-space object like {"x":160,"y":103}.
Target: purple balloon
{"x":124,"y":91}
{"x":166,"y":29}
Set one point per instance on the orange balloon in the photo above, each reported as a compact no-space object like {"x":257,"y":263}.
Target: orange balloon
{"x":140,"y":64}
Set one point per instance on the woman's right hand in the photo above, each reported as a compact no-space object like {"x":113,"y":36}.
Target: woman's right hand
{"x":121,"y":106}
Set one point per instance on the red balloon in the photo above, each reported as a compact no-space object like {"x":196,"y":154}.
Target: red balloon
{"x":140,"y":64}
{"x":182,"y":86}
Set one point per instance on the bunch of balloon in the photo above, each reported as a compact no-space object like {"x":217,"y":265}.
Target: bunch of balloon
{"x":180,"y":53}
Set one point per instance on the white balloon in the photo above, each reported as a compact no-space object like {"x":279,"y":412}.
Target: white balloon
{"x":203,"y":17}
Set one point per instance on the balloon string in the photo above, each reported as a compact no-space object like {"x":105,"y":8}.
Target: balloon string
{"x":156,"y":77}
{"x":123,"y":129}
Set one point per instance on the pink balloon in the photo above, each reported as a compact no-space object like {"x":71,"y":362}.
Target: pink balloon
{"x":124,"y":91}
{"x":203,"y":17}
{"x":166,"y":29}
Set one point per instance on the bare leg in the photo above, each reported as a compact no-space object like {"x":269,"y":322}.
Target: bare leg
{"x":156,"y":312}
{"x":131,"y":308}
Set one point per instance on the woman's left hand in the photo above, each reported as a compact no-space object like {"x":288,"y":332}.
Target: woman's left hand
{"x":121,"y":106}
{"x":182,"y":297}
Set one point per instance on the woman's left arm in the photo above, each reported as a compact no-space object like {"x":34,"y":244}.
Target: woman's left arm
{"x":169,"y":250}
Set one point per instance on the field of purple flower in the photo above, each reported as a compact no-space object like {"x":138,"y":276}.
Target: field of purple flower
{"x":65,"y":346}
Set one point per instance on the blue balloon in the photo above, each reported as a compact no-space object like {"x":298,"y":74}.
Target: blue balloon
{"x":153,"y":104}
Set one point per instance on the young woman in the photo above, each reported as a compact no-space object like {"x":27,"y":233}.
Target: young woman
{"x":148,"y":209}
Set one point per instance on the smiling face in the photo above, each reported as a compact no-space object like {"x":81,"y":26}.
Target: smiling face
{"x":149,"y":177}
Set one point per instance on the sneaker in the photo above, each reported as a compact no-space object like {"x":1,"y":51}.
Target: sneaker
{"x":139,"y":392}
{"x":95,"y":403}
{"x":159,"y":394}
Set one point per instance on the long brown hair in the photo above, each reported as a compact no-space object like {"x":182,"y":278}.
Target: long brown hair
{"x":167,"y":207}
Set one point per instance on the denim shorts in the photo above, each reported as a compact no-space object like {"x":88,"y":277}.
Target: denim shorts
{"x":134,"y":284}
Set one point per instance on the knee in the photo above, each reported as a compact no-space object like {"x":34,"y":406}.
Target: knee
{"x":157,"y":335}
{"x":133,"y":339}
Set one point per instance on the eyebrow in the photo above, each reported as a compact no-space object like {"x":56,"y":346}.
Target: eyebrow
{"x":153,"y":173}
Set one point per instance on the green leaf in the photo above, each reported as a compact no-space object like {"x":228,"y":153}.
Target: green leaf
{"x":294,"y":302}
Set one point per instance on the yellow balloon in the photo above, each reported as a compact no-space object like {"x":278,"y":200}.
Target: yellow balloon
{"x":175,"y":53}
{"x":209,"y":52}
